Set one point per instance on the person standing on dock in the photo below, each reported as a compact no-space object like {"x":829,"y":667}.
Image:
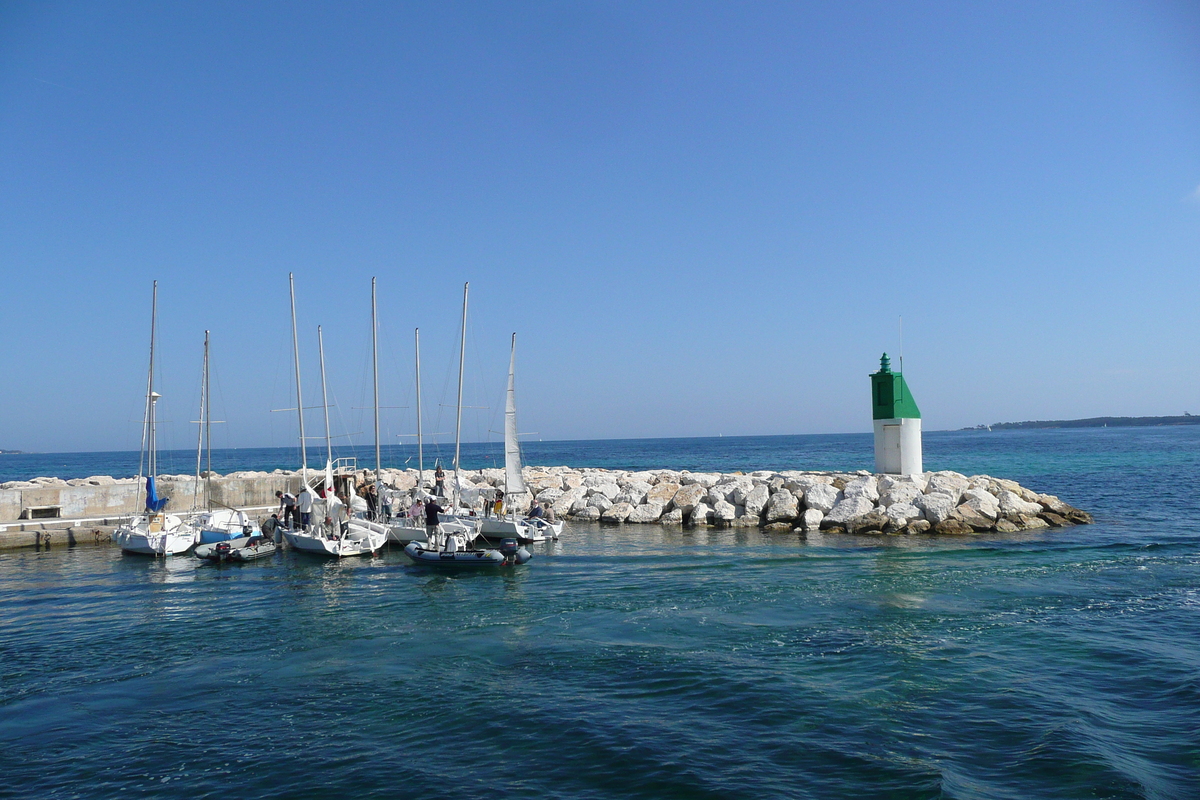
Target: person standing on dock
{"x":439,"y":482}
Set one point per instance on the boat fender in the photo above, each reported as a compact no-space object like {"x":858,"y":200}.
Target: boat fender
{"x":522,"y":556}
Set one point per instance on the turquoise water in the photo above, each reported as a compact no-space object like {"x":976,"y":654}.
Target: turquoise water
{"x":643,"y":662}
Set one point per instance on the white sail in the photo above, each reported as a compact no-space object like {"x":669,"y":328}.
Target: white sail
{"x":512,"y":450}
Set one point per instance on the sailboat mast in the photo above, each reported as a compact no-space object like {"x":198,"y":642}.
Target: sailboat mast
{"x":207,"y":428}
{"x":150,"y":398}
{"x":420,"y":447}
{"x":462,"y":356}
{"x":375,"y":376}
{"x":200,"y":425}
{"x":149,"y":388}
{"x":324,"y":396}
{"x":299,"y":394}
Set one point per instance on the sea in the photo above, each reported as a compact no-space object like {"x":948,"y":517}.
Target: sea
{"x":637,"y":661}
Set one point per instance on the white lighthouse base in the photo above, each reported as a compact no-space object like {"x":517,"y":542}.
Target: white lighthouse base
{"x":898,"y":446}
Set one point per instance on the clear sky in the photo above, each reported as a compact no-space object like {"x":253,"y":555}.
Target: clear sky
{"x":699,"y":218}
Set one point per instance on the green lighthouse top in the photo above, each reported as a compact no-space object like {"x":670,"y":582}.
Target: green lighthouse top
{"x":890,"y":398}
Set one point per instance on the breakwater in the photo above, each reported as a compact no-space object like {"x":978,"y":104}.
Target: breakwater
{"x":855,"y":502}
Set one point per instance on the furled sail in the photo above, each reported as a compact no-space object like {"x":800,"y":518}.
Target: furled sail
{"x":154,"y":503}
{"x":512,"y":450}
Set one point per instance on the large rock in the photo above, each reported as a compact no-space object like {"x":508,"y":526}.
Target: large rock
{"x":1012,"y":503}
{"x":600,"y":501}
{"x":901,"y":514}
{"x":1079,"y":516}
{"x":810,"y":520}
{"x":609,"y":490}
{"x":1003,"y":525}
{"x":635,"y":487}
{"x":948,"y":483}
{"x":646,"y":512}
{"x":981,"y":502}
{"x":589,"y":512}
{"x":862,"y":487}
{"x":631,"y":496}
{"x":972,"y":517}
{"x":705,"y":479}
{"x":724,"y":512}
{"x":850,"y":508}
{"x":918,"y":526}
{"x":567,"y":500}
{"x":672,"y":517}
{"x":937,"y":506}
{"x":688,"y":496}
{"x":888,"y":482}
{"x":874,"y":521}
{"x":580,"y":502}
{"x":744,"y":487}
{"x":799,"y":484}
{"x":618,"y":512}
{"x":757,"y":499}
{"x":700,"y":513}
{"x":549,"y":496}
{"x":904,"y":493}
{"x":952,"y":526}
{"x":782,"y":507}
{"x":746,"y":521}
{"x":538,"y":482}
{"x":823,"y":497}
{"x":662,"y":492}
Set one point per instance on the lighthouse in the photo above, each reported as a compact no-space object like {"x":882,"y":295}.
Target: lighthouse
{"x":897,"y":423}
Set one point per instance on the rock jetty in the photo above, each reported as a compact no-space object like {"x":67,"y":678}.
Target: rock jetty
{"x":857,"y":502}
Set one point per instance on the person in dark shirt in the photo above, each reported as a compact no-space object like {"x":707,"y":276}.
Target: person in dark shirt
{"x":439,"y":482}
{"x":432,"y":509}
{"x":536,"y":511}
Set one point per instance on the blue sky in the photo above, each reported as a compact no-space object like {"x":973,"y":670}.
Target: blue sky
{"x":699,"y":218}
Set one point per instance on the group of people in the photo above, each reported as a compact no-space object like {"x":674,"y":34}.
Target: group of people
{"x":295,"y":510}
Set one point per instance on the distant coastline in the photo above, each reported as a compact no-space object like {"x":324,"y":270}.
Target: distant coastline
{"x":12,"y":452}
{"x":1091,"y":422}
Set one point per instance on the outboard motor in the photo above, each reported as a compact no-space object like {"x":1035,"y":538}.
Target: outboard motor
{"x":513,"y":553}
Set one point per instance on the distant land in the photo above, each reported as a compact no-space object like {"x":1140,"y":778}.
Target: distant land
{"x":12,"y":452}
{"x":1092,"y":422}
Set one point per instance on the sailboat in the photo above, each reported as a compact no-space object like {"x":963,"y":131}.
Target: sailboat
{"x":405,"y":528}
{"x":453,"y":543}
{"x":153,"y":532}
{"x":214,"y":525}
{"x":334,"y":531}
{"x":525,"y":531}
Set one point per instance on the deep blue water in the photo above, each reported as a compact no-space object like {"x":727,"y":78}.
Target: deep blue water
{"x":643,"y":662}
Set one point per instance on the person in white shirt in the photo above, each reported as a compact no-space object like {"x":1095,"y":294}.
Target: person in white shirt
{"x":305,"y":501}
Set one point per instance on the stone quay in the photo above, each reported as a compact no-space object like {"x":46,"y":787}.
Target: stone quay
{"x":47,"y":510}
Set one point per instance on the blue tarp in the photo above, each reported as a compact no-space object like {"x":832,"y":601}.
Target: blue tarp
{"x":154,"y":504}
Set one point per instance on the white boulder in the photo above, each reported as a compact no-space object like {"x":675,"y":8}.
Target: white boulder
{"x":756,"y":499}
{"x":863,"y":486}
{"x":823,"y":497}
{"x":937,"y":506}
{"x":646,"y":512}
{"x":782,"y":507}
{"x":848,"y":509}
{"x":810,"y":520}
{"x":689,"y":496}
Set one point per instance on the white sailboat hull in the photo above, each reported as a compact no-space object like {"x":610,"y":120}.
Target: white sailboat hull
{"x":524,"y":531}
{"x":361,"y":538}
{"x":172,"y":537}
